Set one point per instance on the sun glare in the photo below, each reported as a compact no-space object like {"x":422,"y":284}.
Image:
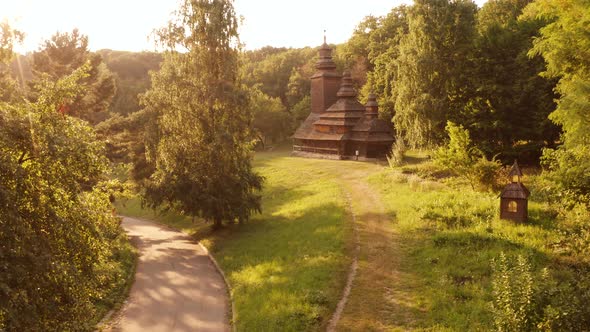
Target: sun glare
{"x":11,"y":10}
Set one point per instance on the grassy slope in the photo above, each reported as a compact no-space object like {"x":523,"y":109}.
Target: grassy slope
{"x":287,"y":266}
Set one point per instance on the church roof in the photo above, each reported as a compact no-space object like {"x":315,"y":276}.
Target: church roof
{"x":370,"y":127}
{"x":306,"y":128}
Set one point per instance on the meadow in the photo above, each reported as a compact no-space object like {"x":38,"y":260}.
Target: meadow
{"x":426,"y":247}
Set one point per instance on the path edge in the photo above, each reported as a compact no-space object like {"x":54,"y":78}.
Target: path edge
{"x":232,"y":314}
{"x":333,"y":322}
{"x":227,"y":284}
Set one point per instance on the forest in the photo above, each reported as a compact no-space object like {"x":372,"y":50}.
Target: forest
{"x":475,"y":87}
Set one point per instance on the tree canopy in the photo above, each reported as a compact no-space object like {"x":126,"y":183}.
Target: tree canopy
{"x":66,"y":52}
{"x":565,"y":46}
{"x":57,"y":231}
{"x":198,"y":139}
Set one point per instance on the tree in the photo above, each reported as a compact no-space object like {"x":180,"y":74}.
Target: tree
{"x":272,"y":72}
{"x":466,"y":160}
{"x":66,"y":52}
{"x":199,"y":138}
{"x":383,"y":54}
{"x":432,"y":63}
{"x":57,"y":231}
{"x":270,"y":120}
{"x":565,"y":46}
{"x":509,"y":104}
{"x":8,"y":37}
{"x":122,"y":131}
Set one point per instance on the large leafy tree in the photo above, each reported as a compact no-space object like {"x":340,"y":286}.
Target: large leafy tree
{"x":66,"y":52}
{"x":8,"y":37}
{"x":564,"y":43}
{"x":57,"y":231}
{"x":432,"y":63}
{"x":122,"y":131}
{"x":383,"y":53}
{"x":199,"y":134}
{"x":510,"y":102}
{"x":271,"y":123}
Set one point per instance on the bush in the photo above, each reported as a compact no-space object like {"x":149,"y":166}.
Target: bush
{"x":467,"y":161}
{"x":567,"y":303}
{"x":513,"y":306}
{"x":396,"y":156}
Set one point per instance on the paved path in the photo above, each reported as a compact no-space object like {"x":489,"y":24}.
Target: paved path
{"x":177,"y":287}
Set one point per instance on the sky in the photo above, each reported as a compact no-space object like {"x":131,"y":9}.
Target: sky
{"x":126,"y":24}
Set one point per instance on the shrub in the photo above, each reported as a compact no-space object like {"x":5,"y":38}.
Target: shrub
{"x":567,"y":303}
{"x":467,"y":161}
{"x":396,"y":156}
{"x":513,"y":306}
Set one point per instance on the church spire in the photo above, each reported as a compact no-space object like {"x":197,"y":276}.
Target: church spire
{"x":325,"y":62}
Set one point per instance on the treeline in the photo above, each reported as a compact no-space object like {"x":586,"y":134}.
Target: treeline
{"x":488,"y":70}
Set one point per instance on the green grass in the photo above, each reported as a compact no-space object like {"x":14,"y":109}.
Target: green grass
{"x":287,"y":266}
{"x":450,"y":234}
{"x":116,"y":278}
{"x":426,"y":266}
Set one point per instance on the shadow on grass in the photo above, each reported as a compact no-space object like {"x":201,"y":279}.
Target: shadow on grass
{"x":286,"y":271}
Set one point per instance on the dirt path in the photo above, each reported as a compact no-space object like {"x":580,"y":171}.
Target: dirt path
{"x":374,"y":301}
{"x":177,"y":287}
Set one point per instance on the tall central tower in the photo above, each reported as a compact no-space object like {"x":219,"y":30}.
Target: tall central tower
{"x":325,"y":82}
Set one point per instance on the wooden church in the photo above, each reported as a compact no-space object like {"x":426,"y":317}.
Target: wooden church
{"x":339,"y":126}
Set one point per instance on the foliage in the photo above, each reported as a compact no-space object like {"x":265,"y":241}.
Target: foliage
{"x":513,"y":291}
{"x":565,"y":46}
{"x":301,"y":110}
{"x":567,"y":300}
{"x":130,"y":70}
{"x":270,"y":120}
{"x":465,"y":160}
{"x":396,"y":157}
{"x":123,"y":130}
{"x":66,"y":52}
{"x":59,"y":240}
{"x":383,"y":53}
{"x":8,"y":37}
{"x":508,"y":100}
{"x":279,"y":72}
{"x":198,"y":134}
{"x":431,"y":75}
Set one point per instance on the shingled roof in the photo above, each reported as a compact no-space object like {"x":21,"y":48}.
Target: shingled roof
{"x":515,"y":190}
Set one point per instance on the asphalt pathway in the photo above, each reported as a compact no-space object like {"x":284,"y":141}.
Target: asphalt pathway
{"x":177,"y":287}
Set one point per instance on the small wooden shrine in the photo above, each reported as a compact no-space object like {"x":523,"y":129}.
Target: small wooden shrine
{"x":339,"y":126}
{"x":514,"y":197}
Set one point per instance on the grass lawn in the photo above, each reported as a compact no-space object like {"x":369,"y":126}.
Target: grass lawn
{"x":288,"y":265}
{"x":449,"y":236}
{"x":117,"y":280}
{"x":425,"y":255}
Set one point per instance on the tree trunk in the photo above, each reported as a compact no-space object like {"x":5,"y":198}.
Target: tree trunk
{"x":217,"y":223}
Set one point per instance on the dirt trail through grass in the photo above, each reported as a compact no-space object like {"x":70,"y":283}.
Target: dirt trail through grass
{"x":374,"y":302}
